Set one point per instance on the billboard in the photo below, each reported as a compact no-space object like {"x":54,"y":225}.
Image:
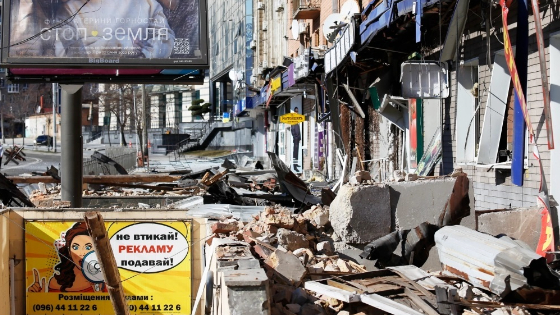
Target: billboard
{"x":98,"y":33}
{"x":63,"y":276}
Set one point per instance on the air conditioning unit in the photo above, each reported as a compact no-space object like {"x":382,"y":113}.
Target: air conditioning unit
{"x":265,"y":26}
{"x":253,"y":44}
{"x":260,"y":5}
{"x":323,"y":47}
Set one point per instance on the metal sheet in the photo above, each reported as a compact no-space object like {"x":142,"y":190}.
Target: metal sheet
{"x":418,"y":275}
{"x":499,"y":265}
{"x":387,"y":305}
{"x":495,"y":111}
{"x":426,"y":79}
{"x":455,"y":30}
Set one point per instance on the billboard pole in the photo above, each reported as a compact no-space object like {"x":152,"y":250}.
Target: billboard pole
{"x":145,"y":125}
{"x":54,"y":108}
{"x":72,"y":153}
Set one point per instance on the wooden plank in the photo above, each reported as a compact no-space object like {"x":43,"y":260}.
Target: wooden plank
{"x":99,"y":179}
{"x":333,"y":292}
{"x":387,"y":305}
{"x":107,"y":262}
{"x":343,"y":286}
{"x":419,"y":302}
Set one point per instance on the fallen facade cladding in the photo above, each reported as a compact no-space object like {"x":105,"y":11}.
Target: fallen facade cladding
{"x":500,"y":265}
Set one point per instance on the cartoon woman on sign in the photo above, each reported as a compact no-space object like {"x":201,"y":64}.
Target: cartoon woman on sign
{"x":73,"y":246}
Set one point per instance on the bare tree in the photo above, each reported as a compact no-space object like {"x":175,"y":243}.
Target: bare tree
{"x":117,"y":100}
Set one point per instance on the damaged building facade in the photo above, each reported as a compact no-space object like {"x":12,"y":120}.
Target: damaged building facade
{"x":413,"y":89}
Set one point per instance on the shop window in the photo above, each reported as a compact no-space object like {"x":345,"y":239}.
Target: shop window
{"x":468,"y":114}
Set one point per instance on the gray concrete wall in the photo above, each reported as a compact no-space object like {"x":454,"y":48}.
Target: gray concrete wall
{"x":423,"y":200}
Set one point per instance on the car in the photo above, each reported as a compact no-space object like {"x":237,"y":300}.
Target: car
{"x":43,"y":140}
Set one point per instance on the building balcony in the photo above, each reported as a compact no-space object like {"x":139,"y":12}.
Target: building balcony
{"x":306,"y":9}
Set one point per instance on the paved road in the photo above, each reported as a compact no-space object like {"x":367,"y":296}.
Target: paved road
{"x":38,"y":158}
{"x":37,"y":161}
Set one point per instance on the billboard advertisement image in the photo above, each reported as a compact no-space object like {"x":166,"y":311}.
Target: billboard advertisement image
{"x":94,"y":33}
{"x":63,"y":274}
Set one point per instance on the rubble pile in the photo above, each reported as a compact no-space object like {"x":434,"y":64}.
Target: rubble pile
{"x":293,"y":248}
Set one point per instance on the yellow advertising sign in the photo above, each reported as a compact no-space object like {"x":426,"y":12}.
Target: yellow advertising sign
{"x":275,"y":84}
{"x":292,"y":118}
{"x":63,"y":274}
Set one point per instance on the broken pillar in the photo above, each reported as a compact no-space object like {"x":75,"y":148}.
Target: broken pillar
{"x":361,"y":214}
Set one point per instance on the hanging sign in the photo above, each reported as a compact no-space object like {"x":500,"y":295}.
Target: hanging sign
{"x":292,"y":118}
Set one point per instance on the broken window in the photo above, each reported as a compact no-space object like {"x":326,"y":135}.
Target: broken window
{"x":467,"y":115}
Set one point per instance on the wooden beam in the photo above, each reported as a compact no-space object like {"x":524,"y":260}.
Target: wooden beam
{"x":99,"y":179}
{"x":107,"y":262}
{"x":419,"y":302}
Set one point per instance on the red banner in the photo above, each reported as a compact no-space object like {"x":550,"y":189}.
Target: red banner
{"x":546,"y":241}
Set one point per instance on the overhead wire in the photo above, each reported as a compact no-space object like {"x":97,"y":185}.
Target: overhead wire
{"x":58,"y":25}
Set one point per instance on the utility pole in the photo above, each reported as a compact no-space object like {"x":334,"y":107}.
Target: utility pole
{"x":107,"y":262}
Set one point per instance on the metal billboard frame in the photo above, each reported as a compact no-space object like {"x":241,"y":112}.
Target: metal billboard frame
{"x":83,"y":62}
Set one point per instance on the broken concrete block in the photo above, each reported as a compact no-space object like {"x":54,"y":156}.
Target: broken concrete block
{"x":411,"y":177}
{"x":522,"y":224}
{"x":287,"y":266}
{"x":224,"y":228}
{"x":361,"y":214}
{"x":325,"y":248}
{"x":363,"y":175}
{"x":249,"y":235}
{"x":283,"y":219}
{"x":398,"y":176}
{"x":262,"y":251}
{"x":291,"y":240}
{"x":299,"y":296}
{"x":317,"y":215}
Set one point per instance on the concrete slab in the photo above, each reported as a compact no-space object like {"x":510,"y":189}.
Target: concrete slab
{"x":423,"y":200}
{"x":521,"y":224}
{"x":361,"y":214}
